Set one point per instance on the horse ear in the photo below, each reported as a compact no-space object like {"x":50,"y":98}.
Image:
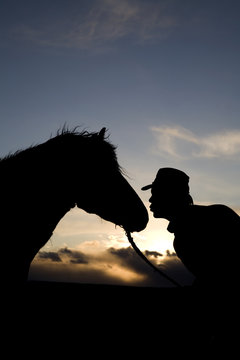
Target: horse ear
{"x":102,"y":133}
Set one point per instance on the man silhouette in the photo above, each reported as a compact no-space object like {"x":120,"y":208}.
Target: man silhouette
{"x":205,"y":236}
{"x":206,"y":240}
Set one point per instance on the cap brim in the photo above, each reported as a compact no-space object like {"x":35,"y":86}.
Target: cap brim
{"x":147,"y":187}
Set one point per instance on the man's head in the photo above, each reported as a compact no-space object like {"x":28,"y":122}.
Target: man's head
{"x":170,"y":193}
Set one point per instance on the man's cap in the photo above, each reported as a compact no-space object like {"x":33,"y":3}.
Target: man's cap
{"x":169,"y":176}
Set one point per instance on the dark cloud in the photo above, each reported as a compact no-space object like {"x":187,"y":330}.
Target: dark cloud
{"x":49,"y":255}
{"x":109,"y":267}
{"x":128,"y":258}
{"x":174,"y":268}
{"x":155,"y":254}
{"x":168,"y":253}
{"x":170,"y":264}
{"x":73,"y":256}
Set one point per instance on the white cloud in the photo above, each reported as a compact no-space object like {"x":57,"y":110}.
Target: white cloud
{"x":221,"y":144}
{"x":106,"y":21}
{"x":179,"y":142}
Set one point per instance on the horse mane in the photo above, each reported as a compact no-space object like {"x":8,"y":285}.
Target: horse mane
{"x":66,"y":136}
{"x":66,"y":131}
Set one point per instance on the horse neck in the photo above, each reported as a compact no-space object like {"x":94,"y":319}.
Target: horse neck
{"x":33,"y":182}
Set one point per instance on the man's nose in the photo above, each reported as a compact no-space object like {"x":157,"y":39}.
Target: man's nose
{"x":150,"y":200}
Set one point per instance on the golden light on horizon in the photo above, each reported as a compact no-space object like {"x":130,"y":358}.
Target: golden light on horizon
{"x":155,"y":237}
{"x":89,"y":249}
{"x":87,"y":232}
{"x":124,"y":274}
{"x":86,"y":249}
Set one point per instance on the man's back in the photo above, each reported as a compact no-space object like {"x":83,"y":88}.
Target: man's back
{"x":206,"y":240}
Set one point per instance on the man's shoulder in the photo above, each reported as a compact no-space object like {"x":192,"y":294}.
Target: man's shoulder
{"x":216,"y":211}
{"x":224,"y":209}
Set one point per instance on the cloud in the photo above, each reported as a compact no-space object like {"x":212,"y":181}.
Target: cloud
{"x":181,"y":143}
{"x":49,"y":255}
{"x":170,"y":254}
{"x":155,"y":254}
{"x":75,"y":257}
{"x":104,"y":22}
{"x":113,"y":266}
{"x":128,"y":258}
{"x":64,"y":255}
{"x":170,"y":264}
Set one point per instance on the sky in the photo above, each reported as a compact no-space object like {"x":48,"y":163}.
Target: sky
{"x":163,"y":77}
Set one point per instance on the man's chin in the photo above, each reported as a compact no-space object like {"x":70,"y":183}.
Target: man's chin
{"x":156,"y":215}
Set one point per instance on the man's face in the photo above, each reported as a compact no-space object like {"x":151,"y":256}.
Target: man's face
{"x":158,"y":202}
{"x":163,"y":202}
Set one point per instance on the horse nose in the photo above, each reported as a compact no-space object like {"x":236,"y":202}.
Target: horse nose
{"x":145,"y":219}
{"x":138,"y":222}
{"x":143,"y":223}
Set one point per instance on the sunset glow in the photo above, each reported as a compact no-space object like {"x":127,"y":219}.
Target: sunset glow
{"x":102,"y":252}
{"x":162,"y":77}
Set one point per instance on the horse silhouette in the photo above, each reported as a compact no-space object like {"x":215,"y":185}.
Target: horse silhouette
{"x":41,"y":184}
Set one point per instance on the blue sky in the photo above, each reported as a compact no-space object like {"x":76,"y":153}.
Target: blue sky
{"x":162,"y":76}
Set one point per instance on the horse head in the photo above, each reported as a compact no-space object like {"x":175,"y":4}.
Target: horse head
{"x":102,"y":188}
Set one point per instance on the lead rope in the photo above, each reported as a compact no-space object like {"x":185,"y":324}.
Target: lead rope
{"x":138,"y":251}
